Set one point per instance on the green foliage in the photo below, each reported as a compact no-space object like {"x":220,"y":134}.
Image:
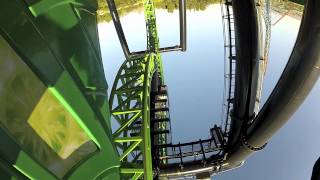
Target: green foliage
{"x":172,"y":5}
{"x":126,"y":6}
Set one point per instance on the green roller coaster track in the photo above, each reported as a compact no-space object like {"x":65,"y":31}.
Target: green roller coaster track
{"x":130,"y":103}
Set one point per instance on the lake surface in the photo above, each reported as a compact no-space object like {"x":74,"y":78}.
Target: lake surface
{"x":195,"y":82}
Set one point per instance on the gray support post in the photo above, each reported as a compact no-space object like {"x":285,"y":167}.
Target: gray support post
{"x":183,"y":25}
{"x":117,"y":24}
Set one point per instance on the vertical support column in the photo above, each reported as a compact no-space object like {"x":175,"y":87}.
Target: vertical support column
{"x":117,"y":24}
{"x":183,"y":25}
{"x":180,"y":154}
{"x":202,"y":151}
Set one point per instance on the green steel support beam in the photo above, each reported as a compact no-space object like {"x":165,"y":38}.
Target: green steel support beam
{"x":130,"y":103}
{"x":126,"y":124}
{"x":126,"y":102}
{"x":131,"y":170}
{"x":137,"y":176}
{"x":130,"y":107}
{"x":129,"y":149}
{"x":128,"y":139}
{"x":152,"y":33}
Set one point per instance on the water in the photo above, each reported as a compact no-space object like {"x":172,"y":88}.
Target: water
{"x":195,"y":81}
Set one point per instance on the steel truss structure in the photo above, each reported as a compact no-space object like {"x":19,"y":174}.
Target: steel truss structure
{"x":130,"y":104}
{"x":130,"y":107}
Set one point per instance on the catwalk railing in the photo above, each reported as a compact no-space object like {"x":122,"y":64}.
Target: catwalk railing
{"x":197,"y":151}
{"x":230,"y":64}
